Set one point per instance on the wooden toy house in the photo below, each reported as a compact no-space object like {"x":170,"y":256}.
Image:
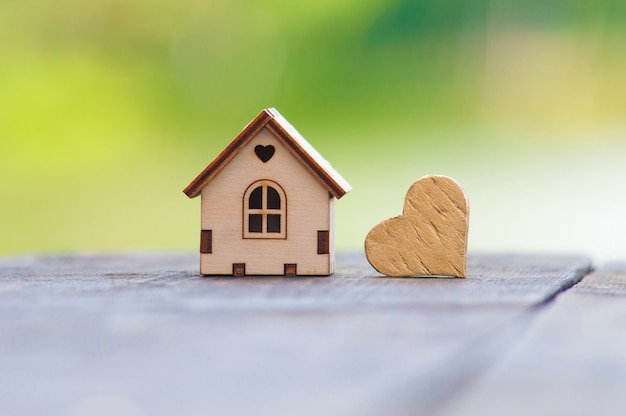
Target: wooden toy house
{"x":267,"y":204}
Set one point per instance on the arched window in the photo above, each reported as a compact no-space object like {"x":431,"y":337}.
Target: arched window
{"x":264,"y":211}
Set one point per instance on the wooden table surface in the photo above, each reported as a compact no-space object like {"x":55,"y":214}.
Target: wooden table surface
{"x":144,"y":334}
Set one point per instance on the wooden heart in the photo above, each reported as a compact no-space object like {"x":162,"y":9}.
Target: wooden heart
{"x":264,"y":153}
{"x":429,"y":238}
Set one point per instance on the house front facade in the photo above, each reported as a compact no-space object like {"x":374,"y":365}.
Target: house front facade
{"x":267,"y":204}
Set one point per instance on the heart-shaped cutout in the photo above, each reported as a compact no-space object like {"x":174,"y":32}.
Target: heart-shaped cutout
{"x":264,"y":153}
{"x":429,"y":238}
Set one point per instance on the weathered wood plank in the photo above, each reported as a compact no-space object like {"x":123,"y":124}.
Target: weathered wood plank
{"x":145,"y":334}
{"x":572,"y":361}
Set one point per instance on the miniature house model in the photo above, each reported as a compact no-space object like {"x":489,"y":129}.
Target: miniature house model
{"x":267,"y":204}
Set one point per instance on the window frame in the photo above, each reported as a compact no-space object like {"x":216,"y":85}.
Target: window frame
{"x":264,"y":211}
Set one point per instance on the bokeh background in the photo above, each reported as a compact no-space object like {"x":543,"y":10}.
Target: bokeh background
{"x":109,"y":108}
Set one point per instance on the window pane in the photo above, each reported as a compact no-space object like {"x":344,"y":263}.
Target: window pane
{"x":255,"y":223}
{"x":273,"y":199}
{"x":273,"y":223}
{"x":256,"y":199}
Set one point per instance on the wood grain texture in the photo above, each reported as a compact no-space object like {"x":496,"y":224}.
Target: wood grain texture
{"x":144,"y":334}
{"x":429,"y":238}
{"x":572,"y":360}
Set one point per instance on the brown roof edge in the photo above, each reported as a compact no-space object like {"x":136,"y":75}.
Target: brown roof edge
{"x":301,"y":148}
{"x":193,"y":189}
{"x":312,"y":161}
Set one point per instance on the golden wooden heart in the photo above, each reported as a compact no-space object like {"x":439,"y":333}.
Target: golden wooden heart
{"x":429,"y":238}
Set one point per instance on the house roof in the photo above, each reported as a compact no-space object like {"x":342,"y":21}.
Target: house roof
{"x":271,"y":119}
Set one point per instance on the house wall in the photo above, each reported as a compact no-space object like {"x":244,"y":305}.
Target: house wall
{"x":309,"y":209}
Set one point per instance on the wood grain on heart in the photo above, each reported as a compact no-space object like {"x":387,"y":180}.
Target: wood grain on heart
{"x":429,"y":238}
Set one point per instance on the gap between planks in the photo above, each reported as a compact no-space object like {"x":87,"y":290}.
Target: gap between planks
{"x":401,"y":397}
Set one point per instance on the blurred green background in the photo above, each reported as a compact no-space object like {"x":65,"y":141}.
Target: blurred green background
{"x":109,"y":108}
